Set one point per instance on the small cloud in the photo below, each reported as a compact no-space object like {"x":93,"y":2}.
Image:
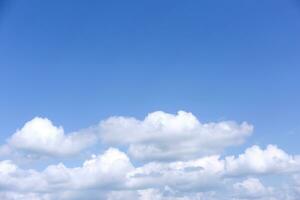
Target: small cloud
{"x":40,"y":136}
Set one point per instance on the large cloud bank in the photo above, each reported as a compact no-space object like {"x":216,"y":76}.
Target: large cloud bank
{"x":162,"y":157}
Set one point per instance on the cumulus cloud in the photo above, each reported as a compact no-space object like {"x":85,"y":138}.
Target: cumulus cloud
{"x":164,"y":156}
{"x":262,"y":161}
{"x":106,"y":170}
{"x":164,"y":136}
{"x":207,"y":172}
{"x":112,"y":175}
{"x":40,"y":136}
{"x":160,"y":136}
{"x":252,"y":188}
{"x":195,"y":175}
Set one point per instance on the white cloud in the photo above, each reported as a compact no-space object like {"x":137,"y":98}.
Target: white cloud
{"x":112,"y":176}
{"x":258,"y":161}
{"x":160,"y":136}
{"x":108,"y":170}
{"x":7,"y":167}
{"x":40,"y":136}
{"x":164,"y":136}
{"x":157,"y":194}
{"x":252,"y":188}
{"x":21,"y":196}
{"x":194,"y":175}
{"x":296,"y":183}
{"x":180,"y":161}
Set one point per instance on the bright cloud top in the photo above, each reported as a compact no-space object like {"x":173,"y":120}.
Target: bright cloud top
{"x":256,"y":160}
{"x":164,"y":136}
{"x":40,"y":136}
{"x":162,"y":157}
{"x":113,"y":172}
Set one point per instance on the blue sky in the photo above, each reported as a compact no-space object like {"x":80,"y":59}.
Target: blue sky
{"x":78,"y":62}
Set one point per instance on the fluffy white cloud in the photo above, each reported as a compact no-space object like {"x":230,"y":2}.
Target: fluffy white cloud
{"x":108,"y":170}
{"x":7,"y":167}
{"x":164,"y":136}
{"x":252,"y":188}
{"x":194,"y":175}
{"x":40,"y":136}
{"x":112,"y":176}
{"x":107,"y":176}
{"x":160,"y":136}
{"x":180,"y":161}
{"x":258,"y":161}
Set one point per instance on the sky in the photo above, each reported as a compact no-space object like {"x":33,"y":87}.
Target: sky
{"x":150,"y":100}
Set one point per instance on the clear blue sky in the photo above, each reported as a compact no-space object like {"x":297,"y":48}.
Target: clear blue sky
{"x":77,"y":62}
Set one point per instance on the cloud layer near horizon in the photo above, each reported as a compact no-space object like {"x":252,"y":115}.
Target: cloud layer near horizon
{"x":164,"y":156}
